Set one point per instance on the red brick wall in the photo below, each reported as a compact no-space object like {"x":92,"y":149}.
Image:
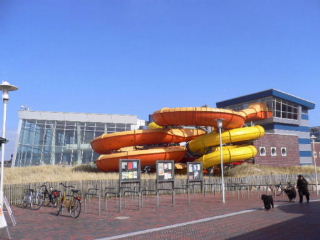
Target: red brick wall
{"x":278,"y":141}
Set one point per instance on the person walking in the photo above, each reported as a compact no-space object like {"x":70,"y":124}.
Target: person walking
{"x":302,"y":185}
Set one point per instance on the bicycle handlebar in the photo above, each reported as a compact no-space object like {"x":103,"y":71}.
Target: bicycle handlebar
{"x":65,"y":186}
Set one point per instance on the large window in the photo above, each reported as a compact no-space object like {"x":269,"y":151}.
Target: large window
{"x":60,"y":142}
{"x":285,"y":109}
{"x":280,"y":108}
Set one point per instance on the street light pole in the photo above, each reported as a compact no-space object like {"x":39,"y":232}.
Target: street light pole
{"x":5,"y":87}
{"x":220,"y":124}
{"x":313,"y":138}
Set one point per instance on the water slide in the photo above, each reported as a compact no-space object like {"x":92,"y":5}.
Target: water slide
{"x":169,"y":130}
{"x":146,"y":144}
{"x":114,"y":141}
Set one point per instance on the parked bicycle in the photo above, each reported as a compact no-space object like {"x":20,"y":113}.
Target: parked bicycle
{"x":71,"y":202}
{"x":32,"y":198}
{"x":50,"y":196}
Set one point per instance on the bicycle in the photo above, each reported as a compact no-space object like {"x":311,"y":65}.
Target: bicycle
{"x":72,"y":202}
{"x":32,"y":198}
{"x":51,"y":195}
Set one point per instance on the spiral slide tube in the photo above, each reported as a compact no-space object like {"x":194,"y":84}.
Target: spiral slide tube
{"x":154,"y":144}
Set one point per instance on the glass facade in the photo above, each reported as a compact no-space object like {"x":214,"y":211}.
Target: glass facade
{"x":280,"y":108}
{"x":60,"y":142}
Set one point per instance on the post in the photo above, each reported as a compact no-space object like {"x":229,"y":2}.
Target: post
{"x":220,"y":123}
{"x":5,"y":87}
{"x":313,"y":138}
{"x":5,"y":102}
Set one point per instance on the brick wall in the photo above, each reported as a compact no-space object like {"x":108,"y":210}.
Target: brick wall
{"x":286,"y":143}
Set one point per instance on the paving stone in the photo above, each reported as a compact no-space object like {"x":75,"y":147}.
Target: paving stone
{"x":288,"y":221}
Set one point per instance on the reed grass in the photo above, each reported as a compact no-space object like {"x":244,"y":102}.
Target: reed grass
{"x":247,"y":169}
{"x":36,"y":174}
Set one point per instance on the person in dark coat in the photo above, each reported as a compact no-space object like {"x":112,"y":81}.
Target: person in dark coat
{"x":302,"y":185}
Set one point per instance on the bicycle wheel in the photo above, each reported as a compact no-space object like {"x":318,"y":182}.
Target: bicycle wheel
{"x":37,"y":201}
{"x":75,"y":208}
{"x":59,"y":209}
{"x":54,"y":202}
{"x":46,"y":200}
{"x":24,"y":202}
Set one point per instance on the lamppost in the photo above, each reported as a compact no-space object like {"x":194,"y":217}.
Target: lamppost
{"x":220,"y":124}
{"x":5,"y":87}
{"x":313,"y":138}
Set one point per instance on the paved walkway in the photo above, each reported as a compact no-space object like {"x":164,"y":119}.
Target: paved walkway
{"x":205,"y":218}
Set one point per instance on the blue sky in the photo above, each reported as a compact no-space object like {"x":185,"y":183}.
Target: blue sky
{"x":137,"y":56}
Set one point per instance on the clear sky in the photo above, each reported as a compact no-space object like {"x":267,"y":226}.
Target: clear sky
{"x":137,"y":56}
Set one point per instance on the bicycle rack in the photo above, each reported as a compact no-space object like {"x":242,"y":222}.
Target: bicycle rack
{"x":92,"y":193}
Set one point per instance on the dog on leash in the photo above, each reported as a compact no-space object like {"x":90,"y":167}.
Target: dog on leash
{"x":267,"y":201}
{"x":291,"y":193}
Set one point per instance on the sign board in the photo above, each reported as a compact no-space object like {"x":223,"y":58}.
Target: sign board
{"x":165,"y":171}
{"x":130,"y":170}
{"x":195,"y":171}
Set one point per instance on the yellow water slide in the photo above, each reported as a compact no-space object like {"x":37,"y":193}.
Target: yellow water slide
{"x":230,"y":153}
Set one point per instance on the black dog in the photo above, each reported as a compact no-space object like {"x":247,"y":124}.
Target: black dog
{"x":267,"y":201}
{"x":291,"y":193}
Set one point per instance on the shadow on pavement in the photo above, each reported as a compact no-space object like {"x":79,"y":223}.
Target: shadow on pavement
{"x":303,"y":225}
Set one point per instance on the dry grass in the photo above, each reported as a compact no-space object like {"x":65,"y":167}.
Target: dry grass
{"x":35,"y":174}
{"x":247,"y":169}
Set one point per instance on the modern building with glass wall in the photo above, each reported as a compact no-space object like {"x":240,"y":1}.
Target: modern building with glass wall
{"x":51,"y":138}
{"x":288,"y":131}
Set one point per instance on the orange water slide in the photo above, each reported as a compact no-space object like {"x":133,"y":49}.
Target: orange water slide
{"x":207,"y":116}
{"x":192,"y":116}
{"x":256,"y":111}
{"x":148,"y":157}
{"x":114,"y":141}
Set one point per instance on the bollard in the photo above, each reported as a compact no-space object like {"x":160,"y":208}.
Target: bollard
{"x":173,"y":198}
{"x":158,"y":199}
{"x":99,"y":204}
{"x":238,"y":190}
{"x":120,"y":199}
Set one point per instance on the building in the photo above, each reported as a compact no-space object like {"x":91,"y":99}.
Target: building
{"x":50,"y":138}
{"x":287,"y":141}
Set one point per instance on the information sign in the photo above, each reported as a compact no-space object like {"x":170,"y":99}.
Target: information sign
{"x":195,"y":172}
{"x":130,"y":170}
{"x":165,"y":171}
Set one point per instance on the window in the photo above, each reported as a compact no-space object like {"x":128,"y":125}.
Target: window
{"x":283,"y":151}
{"x":262,"y":151}
{"x":285,"y":109}
{"x":273,"y":151}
